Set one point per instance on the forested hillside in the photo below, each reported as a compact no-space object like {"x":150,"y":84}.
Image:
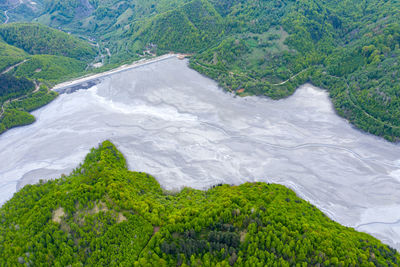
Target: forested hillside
{"x":45,"y":54}
{"x":103,"y":214}
{"x":19,"y":96}
{"x":10,"y":55}
{"x":38,"y":39}
{"x":269,"y":48}
{"x":189,"y":28}
{"x":32,"y":58}
{"x":351,"y":48}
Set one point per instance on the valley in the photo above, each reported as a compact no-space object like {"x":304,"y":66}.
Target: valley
{"x":177,"y":125}
{"x":249,"y":47}
{"x":199,"y":133}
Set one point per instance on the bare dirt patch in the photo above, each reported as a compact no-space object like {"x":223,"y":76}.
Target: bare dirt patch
{"x":156,"y":229}
{"x":243,"y":236}
{"x":121,"y":217}
{"x":58,"y":214}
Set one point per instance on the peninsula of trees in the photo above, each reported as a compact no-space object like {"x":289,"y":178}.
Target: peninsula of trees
{"x":103,"y":214}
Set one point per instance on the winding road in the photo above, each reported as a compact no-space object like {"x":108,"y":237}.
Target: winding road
{"x":5,"y":12}
{"x":11,"y":100}
{"x":294,"y":76}
{"x":37,"y":87}
{"x":13,"y":66}
{"x":7,"y":18}
{"x":251,"y":78}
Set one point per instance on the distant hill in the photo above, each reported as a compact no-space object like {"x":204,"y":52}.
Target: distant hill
{"x":39,"y":39}
{"x":189,"y":28}
{"x":103,"y":214}
{"x":40,"y":54}
{"x":10,"y":55}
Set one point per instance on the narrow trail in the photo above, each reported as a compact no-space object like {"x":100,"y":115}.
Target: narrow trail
{"x":16,"y":99}
{"x":251,"y":78}
{"x":37,"y":88}
{"x":364,"y":111}
{"x":356,"y":105}
{"x":99,"y":56}
{"x":294,"y":76}
{"x":14,"y":66}
{"x":2,"y":108}
{"x":108,"y":52}
{"x":148,"y":241}
{"x":7,"y":18}
{"x":5,"y":12}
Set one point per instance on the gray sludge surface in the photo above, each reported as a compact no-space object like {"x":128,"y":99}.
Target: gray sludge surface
{"x":177,"y":125}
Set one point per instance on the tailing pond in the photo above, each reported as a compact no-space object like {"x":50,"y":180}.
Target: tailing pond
{"x":177,"y":125}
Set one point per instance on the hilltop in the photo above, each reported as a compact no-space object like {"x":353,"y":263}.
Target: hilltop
{"x":32,"y":58}
{"x":104,"y":214}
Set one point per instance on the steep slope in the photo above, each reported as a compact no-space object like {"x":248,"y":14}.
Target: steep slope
{"x":103,"y":214}
{"x":10,"y":55}
{"x":50,"y":68}
{"x":14,"y":87}
{"x":189,"y":28}
{"x":44,"y":56}
{"x":19,"y":96}
{"x":94,"y":18}
{"x":350,"y":48}
{"x":38,"y":39}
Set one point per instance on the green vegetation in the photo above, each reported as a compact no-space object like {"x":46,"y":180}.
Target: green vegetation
{"x":11,"y":87}
{"x":34,"y":100}
{"x":37,"y":39}
{"x":10,"y":55}
{"x":14,"y":117}
{"x":50,"y":68}
{"x":103,"y":214}
{"x":350,"y":48}
{"x":33,"y":55}
{"x":186,"y":29}
{"x":18,"y":96}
